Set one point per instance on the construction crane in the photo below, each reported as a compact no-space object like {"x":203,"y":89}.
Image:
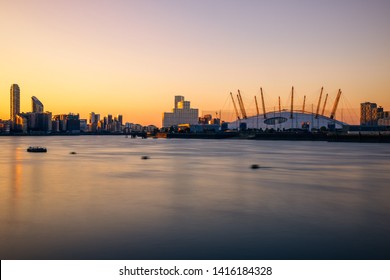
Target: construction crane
{"x":336,"y":102}
{"x":241,"y":103}
{"x":292,"y":103}
{"x":262,"y":101}
{"x":323,"y":108}
{"x":235,"y":107}
{"x":304,"y":101}
{"x":319,"y":103}
{"x":257,"y":107}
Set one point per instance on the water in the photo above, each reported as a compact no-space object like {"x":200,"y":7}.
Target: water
{"x":193,"y":199}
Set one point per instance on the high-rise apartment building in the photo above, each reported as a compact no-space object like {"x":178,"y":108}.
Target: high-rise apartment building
{"x":368,"y":114}
{"x":182,"y":113}
{"x":36,"y":105}
{"x":15,"y":102}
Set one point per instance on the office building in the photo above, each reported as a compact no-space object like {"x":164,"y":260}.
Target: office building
{"x":182,"y":113}
{"x":384,"y":120}
{"x":83,"y":125}
{"x":119,"y":118}
{"x":20,"y":123}
{"x":66,"y":123}
{"x":35,"y":122}
{"x":92,"y":118}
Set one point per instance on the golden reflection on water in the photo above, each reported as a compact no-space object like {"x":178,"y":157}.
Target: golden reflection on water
{"x":17,"y":172}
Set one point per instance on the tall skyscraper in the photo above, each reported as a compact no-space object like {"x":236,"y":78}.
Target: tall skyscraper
{"x":15,"y":102}
{"x":37,"y":106}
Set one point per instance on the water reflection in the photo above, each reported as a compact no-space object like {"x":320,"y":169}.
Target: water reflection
{"x":17,"y":172}
{"x":192,"y":200}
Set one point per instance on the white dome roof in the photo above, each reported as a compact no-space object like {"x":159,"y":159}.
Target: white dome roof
{"x":284,"y":120}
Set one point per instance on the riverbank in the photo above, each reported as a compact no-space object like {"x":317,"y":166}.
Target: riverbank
{"x":278,"y":136}
{"x":378,"y":137}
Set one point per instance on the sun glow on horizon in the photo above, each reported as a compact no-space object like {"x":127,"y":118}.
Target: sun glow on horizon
{"x":133,"y":57}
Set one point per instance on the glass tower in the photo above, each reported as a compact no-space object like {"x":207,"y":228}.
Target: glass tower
{"x":37,"y":106}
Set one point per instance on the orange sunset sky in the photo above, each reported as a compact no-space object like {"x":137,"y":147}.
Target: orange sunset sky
{"x":132,"y":57}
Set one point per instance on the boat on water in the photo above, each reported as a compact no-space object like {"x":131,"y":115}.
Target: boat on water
{"x":36,"y":149}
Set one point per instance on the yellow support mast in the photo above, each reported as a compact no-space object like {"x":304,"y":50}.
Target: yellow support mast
{"x":262,"y":101}
{"x":241,"y":103}
{"x":292,"y":103}
{"x":319,"y":103}
{"x":235,"y":107}
{"x":323,"y":108}
{"x":336,"y":102}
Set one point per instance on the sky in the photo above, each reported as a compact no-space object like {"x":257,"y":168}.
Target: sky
{"x":132,"y":57}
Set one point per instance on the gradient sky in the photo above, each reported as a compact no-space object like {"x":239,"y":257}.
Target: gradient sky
{"x":131,"y":57}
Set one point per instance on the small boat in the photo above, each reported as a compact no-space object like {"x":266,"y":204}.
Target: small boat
{"x":36,"y":149}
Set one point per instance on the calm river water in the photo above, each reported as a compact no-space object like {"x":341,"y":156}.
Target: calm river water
{"x":193,"y":199}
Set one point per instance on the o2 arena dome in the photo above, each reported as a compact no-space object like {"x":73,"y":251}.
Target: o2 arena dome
{"x":286,"y":119}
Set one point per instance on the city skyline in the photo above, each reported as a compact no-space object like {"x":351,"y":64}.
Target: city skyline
{"x":38,"y":107}
{"x":132,"y":57}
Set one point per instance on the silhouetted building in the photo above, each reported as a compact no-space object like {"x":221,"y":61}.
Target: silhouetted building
{"x":73,"y":123}
{"x":83,"y":125}
{"x":93,"y":122}
{"x":34,"y":122}
{"x":208,"y":119}
{"x":40,"y":122}
{"x":66,"y":123}
{"x":385,"y":119}
{"x":21,"y":123}
{"x":4,"y":126}
{"x":151,"y":128}
{"x":120,"y":119}
{"x":37,"y":106}
{"x":91,"y":118}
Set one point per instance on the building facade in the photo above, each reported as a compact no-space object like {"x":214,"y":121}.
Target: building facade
{"x":368,"y":114}
{"x":15,"y":102}
{"x":69,"y":123}
{"x":182,"y":113}
{"x":36,"y":105}
{"x":384,"y":120}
